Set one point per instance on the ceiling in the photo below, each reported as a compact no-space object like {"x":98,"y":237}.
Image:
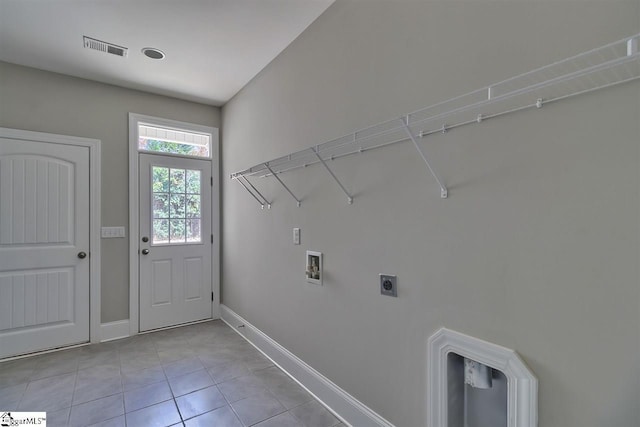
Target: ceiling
{"x":213,"y":47}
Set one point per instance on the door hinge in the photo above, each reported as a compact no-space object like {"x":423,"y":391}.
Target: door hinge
{"x":211,"y":296}
{"x":212,"y":239}
{"x":212,"y":181}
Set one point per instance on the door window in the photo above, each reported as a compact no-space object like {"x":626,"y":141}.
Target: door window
{"x":176,"y":206}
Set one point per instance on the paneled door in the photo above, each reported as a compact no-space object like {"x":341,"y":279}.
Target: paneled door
{"x":175,"y":241}
{"x":44,"y":245}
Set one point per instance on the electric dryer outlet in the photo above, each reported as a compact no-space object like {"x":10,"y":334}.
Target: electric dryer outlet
{"x":389,"y":285}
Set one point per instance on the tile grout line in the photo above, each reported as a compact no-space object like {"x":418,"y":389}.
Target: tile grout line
{"x":266,"y":382}
{"x":230,"y":406}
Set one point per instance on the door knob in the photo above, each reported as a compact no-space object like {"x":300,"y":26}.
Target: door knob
{"x":82,"y":255}
{"x":145,"y":251}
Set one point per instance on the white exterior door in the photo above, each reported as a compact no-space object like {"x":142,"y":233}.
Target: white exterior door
{"x":175,"y":241}
{"x":44,"y":246}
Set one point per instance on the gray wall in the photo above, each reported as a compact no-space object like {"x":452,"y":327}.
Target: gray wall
{"x":47,"y":102}
{"x":536,"y":248}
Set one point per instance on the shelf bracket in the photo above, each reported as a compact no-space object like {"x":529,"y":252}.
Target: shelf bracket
{"x":262,"y":203}
{"x":266,"y":165}
{"x":632,"y":46}
{"x":344,"y":190}
{"x":268,"y":203}
{"x":443,"y":190}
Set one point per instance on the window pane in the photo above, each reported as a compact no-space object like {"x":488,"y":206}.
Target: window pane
{"x":160,"y":179}
{"x":193,"y":206}
{"x":161,"y":205}
{"x":193,"y":230}
{"x":177,"y":230}
{"x":168,"y":140}
{"x":160,"y":231}
{"x":177,"y":206}
{"x":177,"y":180}
{"x":147,"y":144}
{"x":193,"y":182}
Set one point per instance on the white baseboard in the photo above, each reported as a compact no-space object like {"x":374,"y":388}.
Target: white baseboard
{"x":114,"y":330}
{"x":345,"y":406}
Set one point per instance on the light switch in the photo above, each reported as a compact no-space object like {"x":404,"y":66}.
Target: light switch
{"x":296,"y":236}
{"x":112,"y":232}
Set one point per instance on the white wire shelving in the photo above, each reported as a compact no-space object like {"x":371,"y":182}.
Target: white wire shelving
{"x":603,"y":67}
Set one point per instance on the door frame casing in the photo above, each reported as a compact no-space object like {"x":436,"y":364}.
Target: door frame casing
{"x":134,"y":211}
{"x":95,"y":256}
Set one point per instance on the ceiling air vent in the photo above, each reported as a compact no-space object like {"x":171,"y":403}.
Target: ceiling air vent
{"x":104,"y":46}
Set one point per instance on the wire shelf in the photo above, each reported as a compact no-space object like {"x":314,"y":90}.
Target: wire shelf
{"x":606,"y":66}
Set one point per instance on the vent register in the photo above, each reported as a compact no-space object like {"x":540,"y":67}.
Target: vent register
{"x":114,"y":49}
{"x":105,"y":47}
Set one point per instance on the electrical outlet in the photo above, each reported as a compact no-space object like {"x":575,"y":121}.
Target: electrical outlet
{"x":296,"y":236}
{"x":389,"y":285}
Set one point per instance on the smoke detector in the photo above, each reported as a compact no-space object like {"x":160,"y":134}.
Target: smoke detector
{"x":105,"y":47}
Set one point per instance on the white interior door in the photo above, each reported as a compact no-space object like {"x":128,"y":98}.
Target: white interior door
{"x":175,"y":241}
{"x":44,"y":246}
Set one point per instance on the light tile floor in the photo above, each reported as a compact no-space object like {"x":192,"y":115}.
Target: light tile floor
{"x":198,"y":375}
